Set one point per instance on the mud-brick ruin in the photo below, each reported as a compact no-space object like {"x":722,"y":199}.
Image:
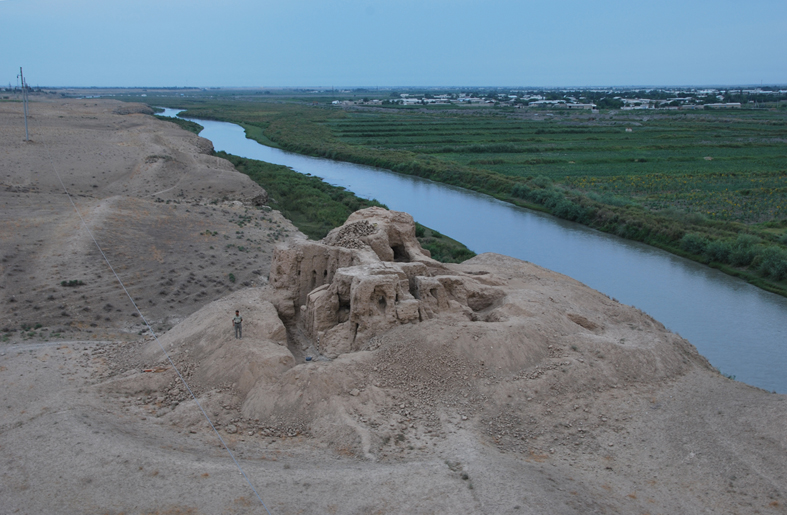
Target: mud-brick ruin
{"x":366,"y":277}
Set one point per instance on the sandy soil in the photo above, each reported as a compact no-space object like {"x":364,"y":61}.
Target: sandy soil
{"x":579,"y":405}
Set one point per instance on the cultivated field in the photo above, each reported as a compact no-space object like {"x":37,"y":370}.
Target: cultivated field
{"x":722,"y":165}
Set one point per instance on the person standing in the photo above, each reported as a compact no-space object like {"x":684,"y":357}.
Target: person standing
{"x":237,"y":320}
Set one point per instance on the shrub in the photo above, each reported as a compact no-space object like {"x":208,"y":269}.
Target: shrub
{"x":693,"y":243}
{"x":568,"y":210}
{"x":547,"y":197}
{"x":521,"y":191}
{"x":743,"y":251}
{"x":773,"y":263}
{"x":718,"y":250}
{"x":541,"y":181}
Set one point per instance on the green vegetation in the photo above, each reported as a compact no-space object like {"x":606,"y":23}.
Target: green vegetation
{"x":316,"y":207}
{"x":71,"y":283}
{"x":442,"y":247}
{"x":186,"y":124}
{"x":692,"y":183}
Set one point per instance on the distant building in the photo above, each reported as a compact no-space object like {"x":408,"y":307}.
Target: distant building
{"x":637,"y":103}
{"x":728,"y":105}
{"x":554,"y":103}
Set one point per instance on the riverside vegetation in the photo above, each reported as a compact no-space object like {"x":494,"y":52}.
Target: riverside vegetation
{"x":707,"y":185}
{"x":315,"y":207}
{"x":186,"y":124}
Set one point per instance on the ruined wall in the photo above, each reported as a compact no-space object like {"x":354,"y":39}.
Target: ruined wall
{"x":366,"y":277}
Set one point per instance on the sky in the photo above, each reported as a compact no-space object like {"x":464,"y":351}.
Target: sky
{"x":369,"y":43}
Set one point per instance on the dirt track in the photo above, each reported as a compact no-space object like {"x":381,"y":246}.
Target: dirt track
{"x":78,"y":435}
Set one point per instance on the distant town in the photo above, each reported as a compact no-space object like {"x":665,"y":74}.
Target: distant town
{"x":590,"y":99}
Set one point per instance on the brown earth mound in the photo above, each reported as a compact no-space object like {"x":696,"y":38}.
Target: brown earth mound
{"x":495,"y":366}
{"x":403,"y":349}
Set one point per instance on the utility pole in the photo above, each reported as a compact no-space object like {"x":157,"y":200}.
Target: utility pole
{"x":24,"y":102}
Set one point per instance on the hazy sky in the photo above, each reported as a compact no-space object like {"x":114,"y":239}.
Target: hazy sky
{"x":393,"y":42}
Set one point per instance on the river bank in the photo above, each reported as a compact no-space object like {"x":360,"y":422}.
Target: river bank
{"x":668,"y":197}
{"x":740,"y":328}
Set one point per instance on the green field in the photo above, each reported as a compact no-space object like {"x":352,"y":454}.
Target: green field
{"x":710,"y":185}
{"x":723,"y":165}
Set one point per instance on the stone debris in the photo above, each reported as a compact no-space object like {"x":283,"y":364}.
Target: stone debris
{"x":349,"y":235}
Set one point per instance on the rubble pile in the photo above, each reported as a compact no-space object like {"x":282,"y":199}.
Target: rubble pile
{"x":350,"y":235}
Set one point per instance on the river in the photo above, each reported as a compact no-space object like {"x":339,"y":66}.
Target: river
{"x":741,"y":329}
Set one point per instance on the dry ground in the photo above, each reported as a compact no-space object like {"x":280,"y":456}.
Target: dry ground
{"x":428,"y":420}
{"x":158,"y":204}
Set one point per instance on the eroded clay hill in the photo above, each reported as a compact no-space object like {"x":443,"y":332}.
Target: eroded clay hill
{"x":173,"y":220}
{"x":404,"y":348}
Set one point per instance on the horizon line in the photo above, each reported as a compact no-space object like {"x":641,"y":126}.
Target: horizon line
{"x":386,"y":87}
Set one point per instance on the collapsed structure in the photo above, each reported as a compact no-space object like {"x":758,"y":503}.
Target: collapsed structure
{"x":367,"y":276}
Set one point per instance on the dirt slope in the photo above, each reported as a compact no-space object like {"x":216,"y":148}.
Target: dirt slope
{"x":164,"y":211}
